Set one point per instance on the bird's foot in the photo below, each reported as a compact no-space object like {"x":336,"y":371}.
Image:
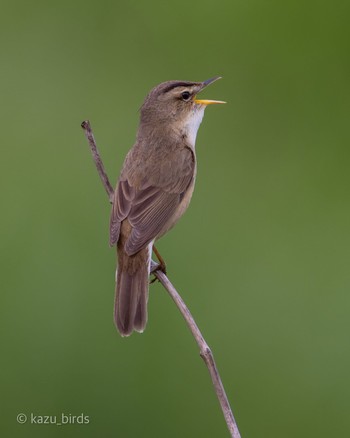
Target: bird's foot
{"x":157,"y":267}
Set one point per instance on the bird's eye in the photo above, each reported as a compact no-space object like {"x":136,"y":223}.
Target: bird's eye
{"x":186,"y":96}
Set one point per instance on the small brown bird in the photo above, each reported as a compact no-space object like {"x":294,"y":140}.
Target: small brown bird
{"x":153,"y":191}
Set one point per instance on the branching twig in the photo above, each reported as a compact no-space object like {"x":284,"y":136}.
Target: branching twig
{"x":204,"y":349}
{"x":97,"y":159}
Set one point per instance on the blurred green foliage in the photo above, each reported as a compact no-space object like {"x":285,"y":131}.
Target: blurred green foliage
{"x":261,"y":257}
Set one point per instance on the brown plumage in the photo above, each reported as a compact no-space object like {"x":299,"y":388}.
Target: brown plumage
{"x":153,"y":191}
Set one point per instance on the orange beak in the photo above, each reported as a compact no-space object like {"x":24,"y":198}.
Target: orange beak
{"x":208,"y":102}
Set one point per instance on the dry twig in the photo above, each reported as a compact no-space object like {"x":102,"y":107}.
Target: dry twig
{"x":204,"y":349}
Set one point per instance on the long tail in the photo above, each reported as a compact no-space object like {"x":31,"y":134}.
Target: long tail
{"x":130,"y":310}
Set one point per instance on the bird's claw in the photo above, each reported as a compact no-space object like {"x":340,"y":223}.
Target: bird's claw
{"x":157,"y":267}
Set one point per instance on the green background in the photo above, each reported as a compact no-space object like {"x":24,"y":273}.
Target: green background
{"x":261,"y":257}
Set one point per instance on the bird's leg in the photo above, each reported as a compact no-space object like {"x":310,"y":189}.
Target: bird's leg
{"x":161,"y":266}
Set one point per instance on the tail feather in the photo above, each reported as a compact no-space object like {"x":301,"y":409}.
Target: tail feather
{"x":130,"y":312}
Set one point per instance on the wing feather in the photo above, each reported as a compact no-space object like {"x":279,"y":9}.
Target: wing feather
{"x":149,"y":205}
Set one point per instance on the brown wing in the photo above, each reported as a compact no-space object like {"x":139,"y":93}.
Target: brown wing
{"x":150,"y":206}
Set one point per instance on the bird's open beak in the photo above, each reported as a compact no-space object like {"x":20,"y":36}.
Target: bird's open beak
{"x":206,"y":101}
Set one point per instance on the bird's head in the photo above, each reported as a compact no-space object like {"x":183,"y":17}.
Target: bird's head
{"x":175,"y":104}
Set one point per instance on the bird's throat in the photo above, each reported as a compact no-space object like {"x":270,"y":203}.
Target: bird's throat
{"x":192,"y":124}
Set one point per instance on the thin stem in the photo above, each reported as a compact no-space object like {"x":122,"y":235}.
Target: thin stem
{"x":97,"y":159}
{"x":204,"y":349}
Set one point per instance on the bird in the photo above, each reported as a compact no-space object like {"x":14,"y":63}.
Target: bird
{"x":153,"y":191}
